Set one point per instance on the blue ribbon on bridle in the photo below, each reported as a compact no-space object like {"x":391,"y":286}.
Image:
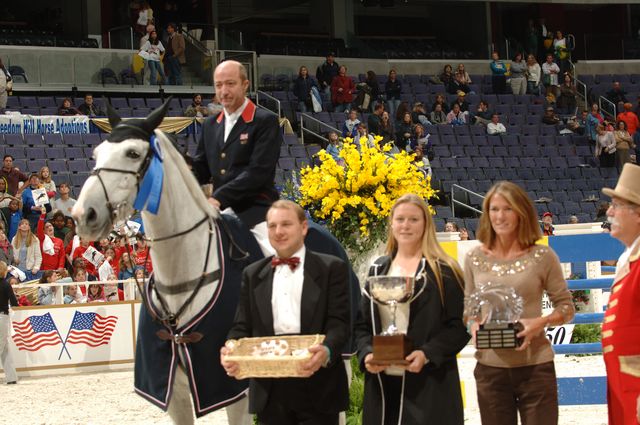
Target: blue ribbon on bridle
{"x":151,"y":187}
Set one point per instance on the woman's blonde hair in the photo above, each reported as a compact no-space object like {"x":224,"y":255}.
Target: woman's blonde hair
{"x":31,"y":238}
{"x":528,"y":227}
{"x":42,"y":179}
{"x":431,"y":249}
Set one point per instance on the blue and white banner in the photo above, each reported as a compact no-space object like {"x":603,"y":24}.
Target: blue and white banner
{"x":43,"y":124}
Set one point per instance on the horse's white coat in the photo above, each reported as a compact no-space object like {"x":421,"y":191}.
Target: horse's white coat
{"x":176,"y":260}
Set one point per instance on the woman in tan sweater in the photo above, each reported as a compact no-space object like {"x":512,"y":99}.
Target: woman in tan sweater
{"x":523,"y":379}
{"x":624,"y":142}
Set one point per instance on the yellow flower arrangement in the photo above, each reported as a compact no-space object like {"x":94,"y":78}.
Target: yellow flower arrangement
{"x":355,"y":199}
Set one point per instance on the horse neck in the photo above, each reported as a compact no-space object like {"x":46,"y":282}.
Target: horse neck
{"x":181,"y":258}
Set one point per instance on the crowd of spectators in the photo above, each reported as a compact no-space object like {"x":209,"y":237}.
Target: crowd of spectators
{"x":38,"y":241}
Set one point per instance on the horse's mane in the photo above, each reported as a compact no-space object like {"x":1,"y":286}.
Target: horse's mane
{"x":171,"y":154}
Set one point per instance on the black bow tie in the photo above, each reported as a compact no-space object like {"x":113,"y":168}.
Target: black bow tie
{"x":291,"y":262}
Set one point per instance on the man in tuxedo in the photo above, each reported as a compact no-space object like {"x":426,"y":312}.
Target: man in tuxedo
{"x":295,"y":292}
{"x":238,"y":149}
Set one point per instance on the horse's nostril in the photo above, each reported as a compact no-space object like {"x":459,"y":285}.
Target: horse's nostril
{"x":91,"y":215}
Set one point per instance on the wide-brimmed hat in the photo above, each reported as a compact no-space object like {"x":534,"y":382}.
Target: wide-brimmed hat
{"x":628,"y":186}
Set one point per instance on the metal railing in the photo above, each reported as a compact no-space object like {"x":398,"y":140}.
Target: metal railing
{"x":581,"y":88}
{"x":455,"y":202}
{"x":199,"y":58}
{"x":319,"y":127}
{"x":603,"y":101}
{"x":121,"y":36}
{"x":260,"y":93}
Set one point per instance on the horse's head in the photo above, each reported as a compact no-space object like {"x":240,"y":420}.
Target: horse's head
{"x":121,"y":162}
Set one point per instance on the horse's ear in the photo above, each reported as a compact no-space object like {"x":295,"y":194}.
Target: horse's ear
{"x":155,"y":118}
{"x":114,"y":118}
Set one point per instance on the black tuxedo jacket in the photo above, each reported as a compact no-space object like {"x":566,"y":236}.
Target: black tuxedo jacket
{"x":242,"y":170}
{"x":324,"y":310}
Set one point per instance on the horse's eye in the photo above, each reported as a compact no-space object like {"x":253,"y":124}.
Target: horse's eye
{"x":133,"y":154}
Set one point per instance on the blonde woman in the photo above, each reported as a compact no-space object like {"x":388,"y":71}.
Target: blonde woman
{"x":522,"y":380}
{"x":26,"y":248}
{"x":427,"y":389}
{"x":48,"y":184}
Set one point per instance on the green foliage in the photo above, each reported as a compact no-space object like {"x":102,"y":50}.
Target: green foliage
{"x":586,"y":333}
{"x":356,"y":394}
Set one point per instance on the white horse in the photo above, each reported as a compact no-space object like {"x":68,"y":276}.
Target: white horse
{"x":191,"y":299}
{"x":179,"y":234}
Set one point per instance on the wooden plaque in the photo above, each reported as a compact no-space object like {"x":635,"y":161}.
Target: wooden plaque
{"x":391,"y":349}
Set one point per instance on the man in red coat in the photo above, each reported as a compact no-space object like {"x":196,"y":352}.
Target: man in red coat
{"x":621,"y":327}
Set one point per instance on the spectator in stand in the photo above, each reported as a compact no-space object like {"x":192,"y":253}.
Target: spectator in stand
{"x":465,"y":75}
{"x":11,"y":216}
{"x":404,"y":131}
{"x":550,"y":117}
{"x":561,"y":52}
{"x":573,"y":219}
{"x":532,"y":38}
{"x":567,"y":102}
{"x":459,"y":84}
{"x":52,"y":248}
{"x":196,"y":109}
{"x":624,"y":145}
{"x":26,"y":248}
{"x":456,"y":116}
{"x":421,"y":158}
{"x":174,"y":55}
{"x":89,"y":108}
{"x":350,"y":126}
{"x":363,"y":132}
{"x":46,"y":294}
{"x":518,"y":75}
{"x":145,"y":17}
{"x":30,"y":210}
{"x":153,"y":50}
{"x":451,"y":226}
{"x":342,"y":89}
{"x":402,"y":109}
{"x":438,"y":116}
{"x":59,"y":229}
{"x":334,"y":147}
{"x":440,"y":101}
{"x":126,"y":268}
{"x":325,"y":74}
{"x":547,"y":224}
{"x":578,"y":124}
{"x":142,"y":257}
{"x":594,"y":119}
{"x":6,"y":250}
{"x":617,"y":96}
{"x":215,"y":106}
{"x":495,"y":127}
{"x":421,"y":138}
{"x":372,"y":82}
{"x":386,"y":128}
{"x":145,"y":37}
{"x":464,"y":234}
{"x":630,"y":118}
{"x":80,"y":275}
{"x":534,"y":74}
{"x":483,"y":114}
{"x":72,"y":295}
{"x":302,"y":87}
{"x":95,"y":292}
{"x":12,"y":175}
{"x":67,"y":108}
{"x":5,"y":78}
{"x":463,"y":104}
{"x":65,"y":202}
{"x":447,"y":79}
{"x":78,"y":254}
{"x":5,"y":196}
{"x":498,"y":71}
{"x":392,"y":89}
{"x":550,"y":72}
{"x":373,"y":122}
{"x":419,"y":114}
{"x":46,"y":181}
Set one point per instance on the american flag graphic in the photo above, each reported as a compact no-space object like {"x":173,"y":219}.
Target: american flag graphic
{"x":36,"y":332}
{"x":91,"y":329}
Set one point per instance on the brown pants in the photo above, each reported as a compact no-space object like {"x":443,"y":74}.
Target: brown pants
{"x":530,"y":390}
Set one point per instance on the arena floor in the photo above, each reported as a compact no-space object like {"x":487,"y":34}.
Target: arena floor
{"x":108,"y":398}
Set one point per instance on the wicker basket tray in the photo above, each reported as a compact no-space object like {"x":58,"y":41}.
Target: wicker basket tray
{"x":283,"y":366}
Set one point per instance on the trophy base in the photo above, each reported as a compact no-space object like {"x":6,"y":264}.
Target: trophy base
{"x":499,"y":335}
{"x":390,"y":349}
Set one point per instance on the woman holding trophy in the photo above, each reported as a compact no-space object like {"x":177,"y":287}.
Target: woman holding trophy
{"x":421,"y":384}
{"x":521,"y":379}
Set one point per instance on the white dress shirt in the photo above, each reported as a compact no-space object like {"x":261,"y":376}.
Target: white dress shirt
{"x":286,"y":296}
{"x":230,"y":119}
{"x":624,"y":257}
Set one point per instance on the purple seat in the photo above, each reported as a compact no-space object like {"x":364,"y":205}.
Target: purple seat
{"x":36,"y":153}
{"x":33,"y":139}
{"x":47,"y":102}
{"x":29,"y":102}
{"x":78,"y":166}
{"x":73,"y":139}
{"x":119,"y":102}
{"x":137,"y":102}
{"x":53,"y":139}
{"x":91,"y":139}
{"x":74,"y":153}
{"x":13,"y":102}
{"x":57,"y":166}
{"x":154,"y":102}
